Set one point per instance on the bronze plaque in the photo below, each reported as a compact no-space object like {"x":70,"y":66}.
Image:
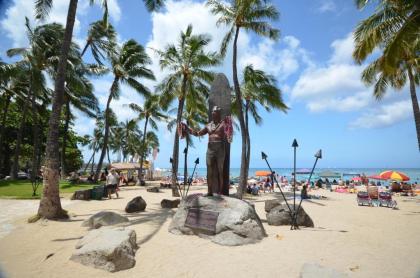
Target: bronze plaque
{"x":203,"y":220}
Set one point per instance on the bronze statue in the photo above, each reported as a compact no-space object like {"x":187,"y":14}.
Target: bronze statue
{"x":220,"y":132}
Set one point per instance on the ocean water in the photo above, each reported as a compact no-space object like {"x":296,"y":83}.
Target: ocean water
{"x":413,"y":173}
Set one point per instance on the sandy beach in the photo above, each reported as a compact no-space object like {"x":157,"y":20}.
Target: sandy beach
{"x":357,"y":241}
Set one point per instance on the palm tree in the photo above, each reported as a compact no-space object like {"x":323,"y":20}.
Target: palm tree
{"x":394,"y":29}
{"x":128,"y":63}
{"x":50,"y":205}
{"x":188,"y":64}
{"x":101,"y":40}
{"x":150,"y":113}
{"x":40,"y":57}
{"x":250,"y":15}
{"x":258,"y":87}
{"x":79,"y":94}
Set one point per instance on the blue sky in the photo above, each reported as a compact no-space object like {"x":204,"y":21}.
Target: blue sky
{"x":330,"y":108}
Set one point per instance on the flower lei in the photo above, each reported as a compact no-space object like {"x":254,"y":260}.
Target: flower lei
{"x":228,"y":129}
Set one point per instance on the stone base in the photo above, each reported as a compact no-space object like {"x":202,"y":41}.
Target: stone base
{"x":237,"y":222}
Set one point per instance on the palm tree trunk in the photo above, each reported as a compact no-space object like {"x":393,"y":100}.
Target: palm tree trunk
{"x":107,"y":153}
{"x":143,"y":148}
{"x":175,"y":153}
{"x":15,"y":165}
{"x":50,"y":205}
{"x":415,"y":104}
{"x":63,"y":147}
{"x":187,"y":142}
{"x":35,"y":152}
{"x":93,"y":160}
{"x":90,"y":159}
{"x":106,"y":135}
{"x":3,"y":127}
{"x":248,"y":139}
{"x":243,"y":174}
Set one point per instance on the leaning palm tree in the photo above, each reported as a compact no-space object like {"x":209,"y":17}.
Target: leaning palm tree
{"x":128,"y":63}
{"x":251,"y":16}
{"x":260,"y":88}
{"x":188,"y":64}
{"x":394,"y":28}
{"x":151,"y":113}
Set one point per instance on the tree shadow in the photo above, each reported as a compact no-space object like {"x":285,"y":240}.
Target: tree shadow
{"x":157,"y":217}
{"x":67,"y":239}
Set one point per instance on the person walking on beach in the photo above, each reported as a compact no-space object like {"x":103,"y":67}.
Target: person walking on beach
{"x":112,"y":183}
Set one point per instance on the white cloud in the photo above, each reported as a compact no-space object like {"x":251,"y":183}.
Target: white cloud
{"x":327,"y":6}
{"x":280,"y":59}
{"x":385,"y":115}
{"x":13,"y":23}
{"x":335,"y":86}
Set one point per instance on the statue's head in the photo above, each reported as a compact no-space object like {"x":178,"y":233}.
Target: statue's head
{"x":215,"y":113}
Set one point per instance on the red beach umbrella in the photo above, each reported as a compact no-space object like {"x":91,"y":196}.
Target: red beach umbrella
{"x":262,"y":173}
{"x":394,"y":175}
{"x":376,"y":177}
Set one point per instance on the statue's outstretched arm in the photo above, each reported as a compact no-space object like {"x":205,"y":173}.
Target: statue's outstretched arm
{"x":198,"y":133}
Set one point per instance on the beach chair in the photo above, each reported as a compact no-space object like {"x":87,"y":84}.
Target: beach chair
{"x":385,"y":200}
{"x":363,"y":199}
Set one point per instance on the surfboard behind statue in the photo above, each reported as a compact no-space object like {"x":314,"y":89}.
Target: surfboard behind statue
{"x":220,"y":95}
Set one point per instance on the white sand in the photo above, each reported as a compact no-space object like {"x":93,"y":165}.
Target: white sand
{"x":359,"y":241}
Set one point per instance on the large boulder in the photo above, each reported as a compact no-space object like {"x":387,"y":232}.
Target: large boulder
{"x":270,"y":204}
{"x":104,"y":218}
{"x":154,"y":189}
{"x":234,"y":221}
{"x":136,"y":205}
{"x":280,"y":215}
{"x":165,"y":203}
{"x":110,"y":249}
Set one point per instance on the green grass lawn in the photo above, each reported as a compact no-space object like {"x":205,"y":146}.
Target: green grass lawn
{"x":22,"y":189}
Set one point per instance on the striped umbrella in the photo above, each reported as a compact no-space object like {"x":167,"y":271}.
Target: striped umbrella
{"x":394,"y":175}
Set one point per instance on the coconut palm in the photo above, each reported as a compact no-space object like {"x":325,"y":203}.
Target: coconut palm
{"x":151,"y":113}
{"x":39,"y":58}
{"x":195,"y":114}
{"x":50,"y":205}
{"x":394,"y":28}
{"x":128,"y":63}
{"x":251,"y":16}
{"x":78,"y":94}
{"x":257,"y":87}
{"x":188,"y":64}
{"x":101,"y":40}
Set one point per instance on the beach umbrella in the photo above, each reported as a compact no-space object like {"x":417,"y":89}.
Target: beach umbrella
{"x":376,"y":177}
{"x":394,"y":175}
{"x":262,"y":173}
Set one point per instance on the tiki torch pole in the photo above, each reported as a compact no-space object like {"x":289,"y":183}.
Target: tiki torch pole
{"x":264,"y":157}
{"x":318,"y":155}
{"x":294,"y":145}
{"x":197,"y":161}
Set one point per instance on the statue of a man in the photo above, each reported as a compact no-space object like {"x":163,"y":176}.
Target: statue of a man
{"x":220,"y":132}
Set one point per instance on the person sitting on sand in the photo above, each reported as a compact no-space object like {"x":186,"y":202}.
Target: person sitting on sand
{"x":255,"y":189}
{"x":112,"y":183}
